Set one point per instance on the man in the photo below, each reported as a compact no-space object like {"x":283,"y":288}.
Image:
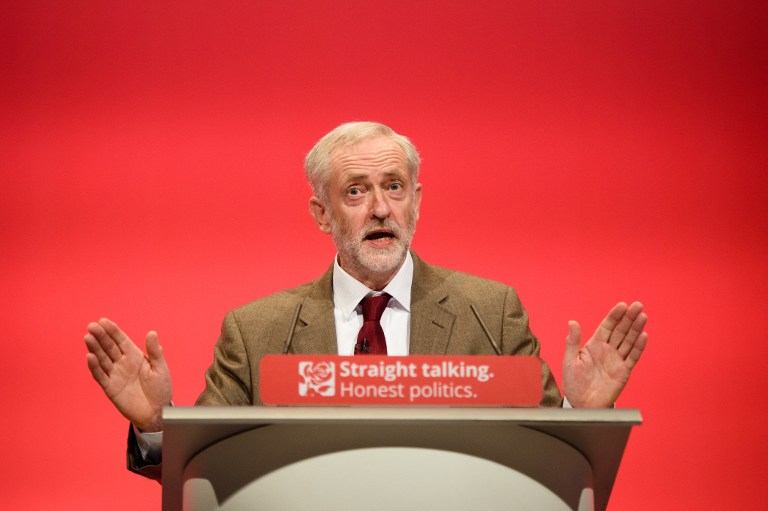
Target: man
{"x":364,"y":178}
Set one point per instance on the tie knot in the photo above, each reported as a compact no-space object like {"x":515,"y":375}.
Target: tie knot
{"x":373,"y":306}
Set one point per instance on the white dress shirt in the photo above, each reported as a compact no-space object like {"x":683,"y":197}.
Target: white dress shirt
{"x":347,"y":311}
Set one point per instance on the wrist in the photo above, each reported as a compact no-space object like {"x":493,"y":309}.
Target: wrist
{"x":153,"y":424}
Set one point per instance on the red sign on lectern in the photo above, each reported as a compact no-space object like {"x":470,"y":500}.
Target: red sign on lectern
{"x":331,"y":380}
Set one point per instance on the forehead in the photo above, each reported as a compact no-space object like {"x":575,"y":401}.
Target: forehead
{"x":380,"y":153}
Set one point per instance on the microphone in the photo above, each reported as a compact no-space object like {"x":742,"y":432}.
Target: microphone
{"x":363,"y":348}
{"x":293,"y":329}
{"x":485,"y":329}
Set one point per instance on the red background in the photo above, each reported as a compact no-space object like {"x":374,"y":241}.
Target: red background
{"x":583,"y":152}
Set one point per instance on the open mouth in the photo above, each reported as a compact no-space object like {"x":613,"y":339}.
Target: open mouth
{"x":382,"y":235}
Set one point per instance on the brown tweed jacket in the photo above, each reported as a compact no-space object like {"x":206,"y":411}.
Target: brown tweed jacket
{"x":442,"y":323}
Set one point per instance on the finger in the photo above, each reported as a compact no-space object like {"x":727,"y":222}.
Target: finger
{"x":637,"y":350}
{"x":100,"y":356}
{"x":572,"y":341}
{"x":122,"y":341}
{"x":154,"y":350}
{"x":96,"y":371}
{"x":625,"y":324}
{"x":105,"y":340}
{"x":625,"y":348}
{"x":604,"y":331}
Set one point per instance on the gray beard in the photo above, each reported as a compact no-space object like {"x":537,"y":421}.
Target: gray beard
{"x":355,"y":252}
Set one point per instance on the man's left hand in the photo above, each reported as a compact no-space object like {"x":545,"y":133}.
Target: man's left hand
{"x":595,"y":375}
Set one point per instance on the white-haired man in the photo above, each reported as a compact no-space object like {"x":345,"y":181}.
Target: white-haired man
{"x":364,"y":177}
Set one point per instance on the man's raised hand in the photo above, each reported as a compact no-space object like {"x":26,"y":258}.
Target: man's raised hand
{"x":594,"y":375}
{"x":138,"y":385}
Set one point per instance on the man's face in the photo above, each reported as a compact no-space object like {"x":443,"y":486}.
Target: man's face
{"x":372,"y":209}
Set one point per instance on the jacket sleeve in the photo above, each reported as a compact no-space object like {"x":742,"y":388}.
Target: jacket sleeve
{"x":517,"y":339}
{"x":136,"y":463}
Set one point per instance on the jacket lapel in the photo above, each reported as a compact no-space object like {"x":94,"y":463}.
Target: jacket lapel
{"x":315,"y":332}
{"x":431,"y":322}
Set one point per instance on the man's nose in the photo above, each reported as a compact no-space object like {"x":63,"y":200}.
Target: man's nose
{"x":380,"y":205}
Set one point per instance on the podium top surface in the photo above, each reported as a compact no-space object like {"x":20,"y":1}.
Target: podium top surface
{"x":276,"y":415}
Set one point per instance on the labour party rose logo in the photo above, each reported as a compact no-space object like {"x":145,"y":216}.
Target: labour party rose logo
{"x":319,"y":379}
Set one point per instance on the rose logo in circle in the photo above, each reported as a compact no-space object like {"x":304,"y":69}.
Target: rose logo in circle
{"x":319,"y":379}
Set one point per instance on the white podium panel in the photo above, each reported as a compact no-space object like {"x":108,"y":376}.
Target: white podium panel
{"x":233,"y":459}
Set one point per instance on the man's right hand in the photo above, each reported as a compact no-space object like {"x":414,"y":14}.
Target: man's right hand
{"x":138,"y":385}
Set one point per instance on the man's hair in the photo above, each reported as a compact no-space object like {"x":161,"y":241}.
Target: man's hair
{"x":317,"y":164}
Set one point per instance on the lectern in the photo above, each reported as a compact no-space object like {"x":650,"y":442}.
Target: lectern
{"x":391,"y":458}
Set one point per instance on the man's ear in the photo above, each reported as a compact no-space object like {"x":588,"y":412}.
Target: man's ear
{"x":417,"y":199}
{"x":320,"y":214}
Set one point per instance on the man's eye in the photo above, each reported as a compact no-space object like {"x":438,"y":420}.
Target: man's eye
{"x":395,"y":187}
{"x":354,"y":191}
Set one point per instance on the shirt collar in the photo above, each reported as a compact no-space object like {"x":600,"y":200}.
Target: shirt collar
{"x":348,"y":292}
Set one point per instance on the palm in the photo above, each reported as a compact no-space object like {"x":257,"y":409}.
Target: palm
{"x":138,"y":385}
{"x":595,"y":374}
{"x":134,"y":386}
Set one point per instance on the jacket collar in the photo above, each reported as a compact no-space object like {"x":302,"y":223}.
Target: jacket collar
{"x":431,"y":321}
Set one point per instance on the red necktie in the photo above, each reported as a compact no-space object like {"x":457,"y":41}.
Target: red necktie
{"x":370,"y":340}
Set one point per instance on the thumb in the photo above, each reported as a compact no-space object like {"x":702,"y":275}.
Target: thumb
{"x":154,"y":350}
{"x":572,"y":341}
